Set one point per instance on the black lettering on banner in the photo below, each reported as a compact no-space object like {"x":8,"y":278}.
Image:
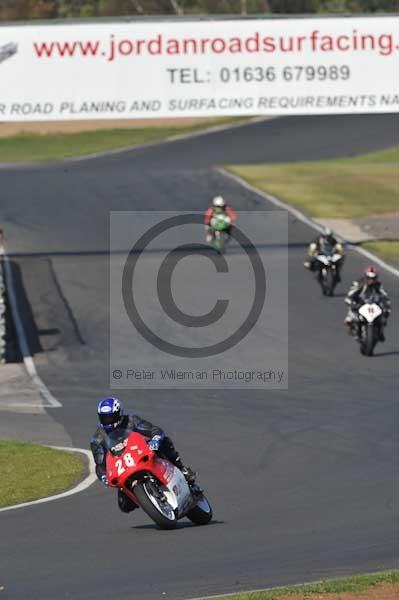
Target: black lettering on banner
{"x":331,"y":102}
{"x":90,"y":107}
{"x":31,"y":109}
{"x":288,"y":73}
{"x":389,"y":100}
{"x":145,"y":106}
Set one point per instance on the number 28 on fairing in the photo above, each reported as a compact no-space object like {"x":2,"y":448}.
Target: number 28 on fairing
{"x":127,"y":459}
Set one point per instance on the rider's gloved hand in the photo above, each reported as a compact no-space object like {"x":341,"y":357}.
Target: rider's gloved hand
{"x":155,"y":442}
{"x":104,"y":479}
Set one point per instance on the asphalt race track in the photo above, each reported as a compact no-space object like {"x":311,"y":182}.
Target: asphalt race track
{"x":303,"y":482}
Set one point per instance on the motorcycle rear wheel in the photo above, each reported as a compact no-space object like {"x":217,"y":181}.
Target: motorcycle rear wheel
{"x":159,"y":511}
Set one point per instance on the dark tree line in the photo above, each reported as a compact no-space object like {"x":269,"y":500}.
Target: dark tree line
{"x":51,"y":9}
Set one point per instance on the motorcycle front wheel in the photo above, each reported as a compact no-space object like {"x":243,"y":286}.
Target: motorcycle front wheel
{"x":201,"y":514}
{"x":149,"y":497}
{"x":368,"y":340}
{"x":218,"y":241}
{"x":329,"y":282}
{"x":322,"y":277}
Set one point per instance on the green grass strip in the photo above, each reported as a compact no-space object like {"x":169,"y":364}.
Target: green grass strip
{"x":29,"y":472}
{"x":385,"y":249}
{"x":355,"y":584}
{"x":56,"y":146}
{"x":344,"y":188}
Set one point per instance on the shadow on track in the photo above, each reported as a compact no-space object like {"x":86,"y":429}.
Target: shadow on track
{"x":67,"y":254}
{"x":180,"y":525}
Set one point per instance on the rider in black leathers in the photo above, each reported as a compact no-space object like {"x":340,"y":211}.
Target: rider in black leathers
{"x":322,"y":242}
{"x":111,"y":417}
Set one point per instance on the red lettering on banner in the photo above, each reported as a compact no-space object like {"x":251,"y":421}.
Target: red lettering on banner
{"x":66,"y":48}
{"x":287,"y":47}
{"x":155,"y":45}
{"x":385,"y":49}
{"x":140,"y":43}
{"x":218,"y":45}
{"x":327,"y":43}
{"x":340,"y":39}
{"x":190,"y":43}
{"x":314,"y":41}
{"x":235,"y":45}
{"x":125,"y":47}
{"x":269,"y":45}
{"x":204,"y":44}
{"x":172,"y":47}
{"x":252,"y":43}
{"x":300,"y":39}
{"x":367,"y":38}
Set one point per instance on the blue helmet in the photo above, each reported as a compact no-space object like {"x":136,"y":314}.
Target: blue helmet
{"x":110,"y":413}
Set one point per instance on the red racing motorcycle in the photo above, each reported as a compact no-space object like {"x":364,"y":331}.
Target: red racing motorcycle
{"x":155,"y":484}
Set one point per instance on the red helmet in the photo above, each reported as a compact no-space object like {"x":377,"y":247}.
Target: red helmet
{"x":371,"y":272}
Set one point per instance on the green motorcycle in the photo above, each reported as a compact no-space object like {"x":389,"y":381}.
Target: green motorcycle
{"x":220,"y":226}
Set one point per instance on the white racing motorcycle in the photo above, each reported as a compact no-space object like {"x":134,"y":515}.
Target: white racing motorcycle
{"x":327,"y":267}
{"x":370,"y":324}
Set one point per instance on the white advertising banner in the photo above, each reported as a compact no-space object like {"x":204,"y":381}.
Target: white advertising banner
{"x":199,"y":68}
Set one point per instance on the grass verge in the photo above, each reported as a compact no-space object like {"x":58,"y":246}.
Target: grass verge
{"x":386,"y":249}
{"x":336,"y":589}
{"x":56,"y":146}
{"x":29,"y":472}
{"x":344,"y":188}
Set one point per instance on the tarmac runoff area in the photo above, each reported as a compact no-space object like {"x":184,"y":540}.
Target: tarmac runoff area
{"x":17,"y":392}
{"x":363,"y":229}
{"x":23,"y":416}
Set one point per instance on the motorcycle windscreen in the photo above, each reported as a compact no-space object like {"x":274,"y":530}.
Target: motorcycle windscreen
{"x":116,"y":441}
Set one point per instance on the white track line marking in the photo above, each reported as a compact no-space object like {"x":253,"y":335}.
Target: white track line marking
{"x":48,"y":400}
{"x":307,"y":220}
{"x":83,"y":485}
{"x":377,"y":260}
